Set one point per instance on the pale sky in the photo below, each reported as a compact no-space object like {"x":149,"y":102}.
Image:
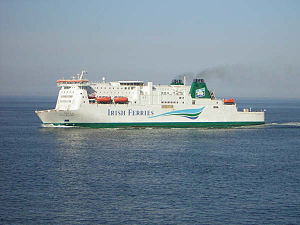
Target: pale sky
{"x":245,"y":48}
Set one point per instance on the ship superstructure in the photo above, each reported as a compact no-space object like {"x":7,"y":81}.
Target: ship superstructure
{"x":138,"y":104}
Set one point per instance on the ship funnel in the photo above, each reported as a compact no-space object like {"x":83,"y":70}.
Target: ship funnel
{"x":199,"y":89}
{"x":177,"y":82}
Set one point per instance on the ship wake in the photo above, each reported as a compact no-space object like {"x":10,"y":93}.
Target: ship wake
{"x":287,"y":124}
{"x":56,"y":126}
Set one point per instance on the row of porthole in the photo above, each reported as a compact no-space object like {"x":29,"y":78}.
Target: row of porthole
{"x":116,"y":92}
{"x":66,"y":92}
{"x":168,"y":93}
{"x":117,"y":88}
{"x":65,"y":101}
{"x":163,"y":102}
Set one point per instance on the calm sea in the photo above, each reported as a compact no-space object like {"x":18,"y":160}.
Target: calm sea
{"x":245,"y":175}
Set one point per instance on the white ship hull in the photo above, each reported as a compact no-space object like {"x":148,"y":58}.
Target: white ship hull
{"x":148,"y":106}
{"x":150,"y":116}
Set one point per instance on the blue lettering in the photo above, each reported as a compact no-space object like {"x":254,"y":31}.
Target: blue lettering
{"x":131,"y":112}
{"x":121,"y":113}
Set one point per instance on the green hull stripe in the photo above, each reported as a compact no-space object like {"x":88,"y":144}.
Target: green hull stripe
{"x":162,"y":124}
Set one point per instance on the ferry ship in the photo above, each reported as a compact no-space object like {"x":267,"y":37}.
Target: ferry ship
{"x":137,"y":104}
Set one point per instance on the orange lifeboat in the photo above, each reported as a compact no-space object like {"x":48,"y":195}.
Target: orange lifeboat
{"x":103,"y":99}
{"x":229,"y":101}
{"x":120,"y":99}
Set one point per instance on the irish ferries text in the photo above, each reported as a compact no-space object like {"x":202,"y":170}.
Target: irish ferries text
{"x":130,"y":112}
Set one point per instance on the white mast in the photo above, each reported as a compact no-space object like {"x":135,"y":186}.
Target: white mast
{"x":82,"y":73}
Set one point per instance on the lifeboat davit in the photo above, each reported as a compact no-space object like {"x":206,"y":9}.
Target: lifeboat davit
{"x":120,"y":99}
{"x":103,"y":99}
{"x":229,"y":101}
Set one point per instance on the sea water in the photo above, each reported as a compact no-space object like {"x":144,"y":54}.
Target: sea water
{"x":248,"y":175}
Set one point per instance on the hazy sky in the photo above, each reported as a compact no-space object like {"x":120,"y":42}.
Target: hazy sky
{"x":245,"y":48}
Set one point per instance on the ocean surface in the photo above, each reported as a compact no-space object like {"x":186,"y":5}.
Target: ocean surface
{"x":248,"y":175}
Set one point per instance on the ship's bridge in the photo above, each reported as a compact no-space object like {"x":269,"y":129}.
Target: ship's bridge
{"x":78,"y":81}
